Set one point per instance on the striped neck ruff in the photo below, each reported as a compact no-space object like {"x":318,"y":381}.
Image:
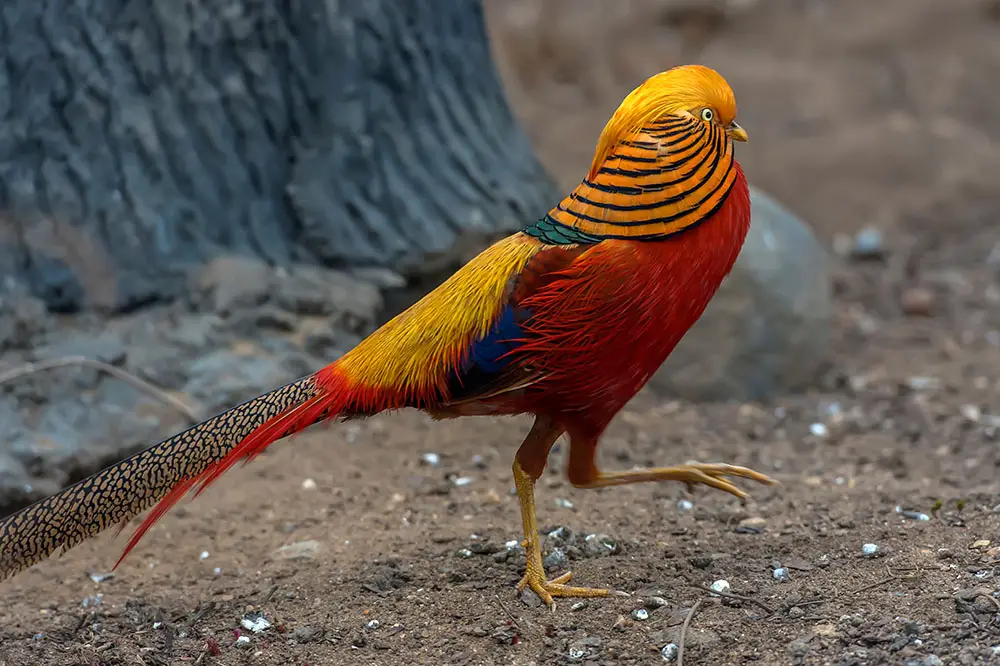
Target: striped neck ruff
{"x":668,"y":176}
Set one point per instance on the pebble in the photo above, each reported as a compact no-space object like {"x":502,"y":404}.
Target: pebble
{"x":563,"y":503}
{"x":685,"y":505}
{"x":652,"y":603}
{"x":780,"y":574}
{"x":92,"y":600}
{"x":204,"y":555}
{"x":869,"y":549}
{"x":912,"y":515}
{"x":669,"y":652}
{"x":819,"y":430}
{"x":640,"y":614}
{"x":243,"y":642}
{"x":720,"y":586}
{"x":795,"y":612}
{"x":431,"y":459}
{"x":971,"y":413}
{"x":308,"y":484}
{"x":306,"y":634}
{"x":462,"y":480}
{"x":868,"y":244}
{"x":300,"y":550}
{"x":372,"y":625}
{"x":101,"y":577}
{"x":579,"y":605}
{"x":917,"y":301}
{"x":980,"y":544}
{"x":255,"y":622}
{"x":556,"y":559}
{"x":464,"y":553}
{"x":599,"y":545}
{"x":753,"y":521}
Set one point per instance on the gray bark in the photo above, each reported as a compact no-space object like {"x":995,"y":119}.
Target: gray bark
{"x":139,"y":139}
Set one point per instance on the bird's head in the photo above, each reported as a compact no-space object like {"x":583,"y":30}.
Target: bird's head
{"x":687,"y":91}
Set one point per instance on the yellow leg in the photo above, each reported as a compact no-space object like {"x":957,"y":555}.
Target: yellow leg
{"x":534,"y":452}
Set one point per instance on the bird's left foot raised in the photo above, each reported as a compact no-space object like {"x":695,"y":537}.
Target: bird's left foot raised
{"x":713,"y":475}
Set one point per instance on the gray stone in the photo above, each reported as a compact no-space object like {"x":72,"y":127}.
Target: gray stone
{"x":228,"y":283}
{"x":311,"y":290}
{"x":22,"y":317}
{"x":767,"y":330}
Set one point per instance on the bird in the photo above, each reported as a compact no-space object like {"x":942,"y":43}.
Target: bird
{"x":564,"y":320}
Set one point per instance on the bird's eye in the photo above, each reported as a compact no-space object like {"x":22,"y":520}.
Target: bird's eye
{"x":707,"y":115}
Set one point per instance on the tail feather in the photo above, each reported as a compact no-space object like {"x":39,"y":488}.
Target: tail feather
{"x":317,"y":408}
{"x":162,"y":473}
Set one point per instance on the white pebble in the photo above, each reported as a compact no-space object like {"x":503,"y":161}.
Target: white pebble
{"x":819,"y":429}
{"x":640,"y":614}
{"x":255,"y":624}
{"x":462,"y":480}
{"x":780,"y":574}
{"x":869,"y":549}
{"x":204,"y":555}
{"x":243,"y":642}
{"x":685,"y":505}
{"x":217,"y":570}
{"x":431,"y":459}
{"x":372,"y":624}
{"x":157,"y":625}
{"x":563,"y":503}
{"x":720,"y":586}
{"x":512,"y":544}
{"x":578,"y":606}
{"x":308,"y":484}
{"x":669,"y":652}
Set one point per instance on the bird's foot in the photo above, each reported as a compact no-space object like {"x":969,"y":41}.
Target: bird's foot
{"x":557,"y":587}
{"x":713,"y":475}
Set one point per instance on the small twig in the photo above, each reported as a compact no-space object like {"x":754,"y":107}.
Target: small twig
{"x":730,"y":595}
{"x":125,"y":376}
{"x":508,"y":613}
{"x":683,"y":634}
{"x":884,"y":581}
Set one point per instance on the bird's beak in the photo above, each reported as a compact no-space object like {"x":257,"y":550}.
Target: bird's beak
{"x":736,"y":133}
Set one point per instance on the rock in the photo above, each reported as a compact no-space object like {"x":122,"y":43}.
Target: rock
{"x":22,"y":317}
{"x":917,"y":301}
{"x":222,"y":378}
{"x":312,"y":290}
{"x":767,"y":330}
{"x":231,"y":282}
{"x":307,"y":634}
{"x":300,"y":550}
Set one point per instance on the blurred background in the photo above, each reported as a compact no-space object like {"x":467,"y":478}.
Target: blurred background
{"x":205,"y":199}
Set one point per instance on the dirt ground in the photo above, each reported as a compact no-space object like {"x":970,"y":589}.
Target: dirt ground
{"x":358,"y":550}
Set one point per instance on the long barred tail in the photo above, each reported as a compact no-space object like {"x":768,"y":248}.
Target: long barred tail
{"x":163,"y":473}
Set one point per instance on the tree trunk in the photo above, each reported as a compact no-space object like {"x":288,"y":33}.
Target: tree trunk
{"x":139,"y":139}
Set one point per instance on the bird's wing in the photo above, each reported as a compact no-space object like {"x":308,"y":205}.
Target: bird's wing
{"x":490,"y":367}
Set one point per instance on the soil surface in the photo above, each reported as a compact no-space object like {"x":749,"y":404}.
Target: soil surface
{"x":357,"y":547}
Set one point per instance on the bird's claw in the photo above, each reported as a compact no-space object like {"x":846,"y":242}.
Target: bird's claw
{"x":547,"y":590}
{"x":713,"y":475}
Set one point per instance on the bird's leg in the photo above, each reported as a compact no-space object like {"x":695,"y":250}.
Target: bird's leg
{"x":584,"y":473}
{"x":529,"y":463}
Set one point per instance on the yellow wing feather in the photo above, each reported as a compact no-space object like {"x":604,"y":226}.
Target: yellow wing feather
{"x":413,"y":351}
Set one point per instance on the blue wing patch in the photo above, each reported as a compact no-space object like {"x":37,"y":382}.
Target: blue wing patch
{"x":488,"y":355}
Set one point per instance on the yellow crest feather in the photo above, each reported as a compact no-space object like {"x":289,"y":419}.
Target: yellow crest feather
{"x":673,"y":92}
